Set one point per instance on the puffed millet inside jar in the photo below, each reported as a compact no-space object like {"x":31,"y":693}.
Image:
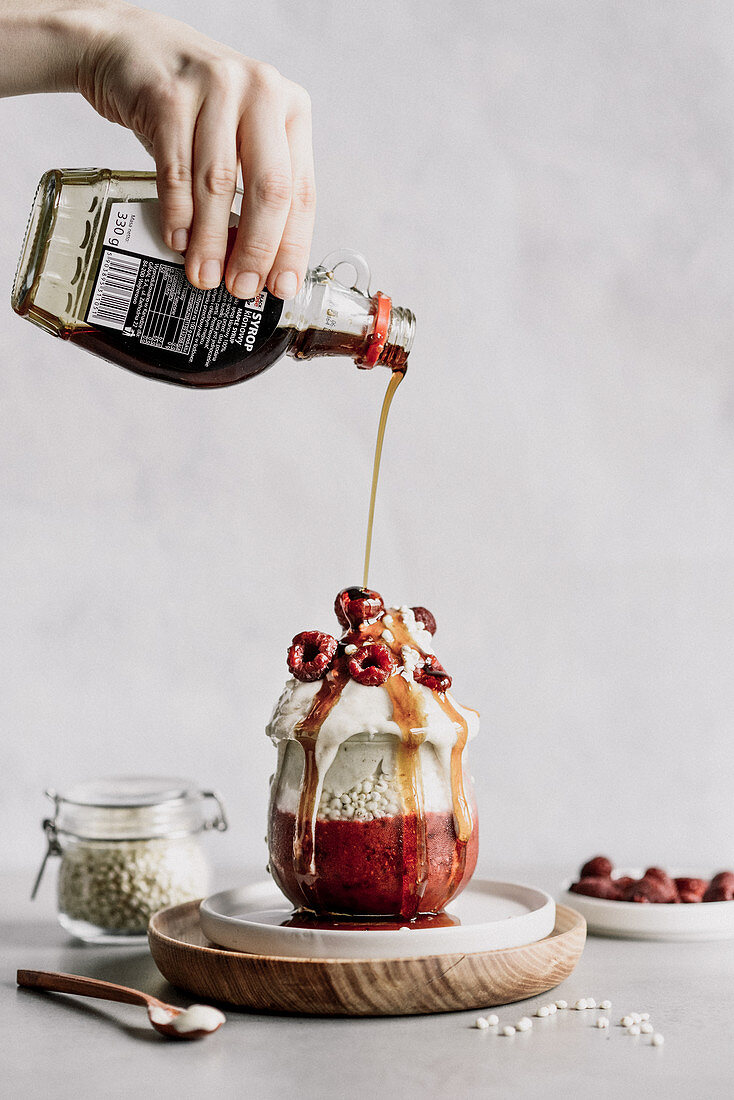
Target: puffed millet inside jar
{"x":376,"y":796}
{"x":118,"y":885}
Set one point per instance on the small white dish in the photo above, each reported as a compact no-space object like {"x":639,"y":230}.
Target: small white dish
{"x":706,"y":920}
{"x":493,"y":915}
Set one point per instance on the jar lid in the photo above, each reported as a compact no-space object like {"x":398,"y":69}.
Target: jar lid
{"x":135,"y":808}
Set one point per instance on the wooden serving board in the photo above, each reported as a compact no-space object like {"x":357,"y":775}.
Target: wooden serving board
{"x":360,"y":987}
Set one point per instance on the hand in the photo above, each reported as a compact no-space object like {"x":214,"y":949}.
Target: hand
{"x":203,"y":110}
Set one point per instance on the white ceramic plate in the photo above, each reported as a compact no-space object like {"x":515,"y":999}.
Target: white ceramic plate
{"x":708,"y":920}
{"x":493,"y":915}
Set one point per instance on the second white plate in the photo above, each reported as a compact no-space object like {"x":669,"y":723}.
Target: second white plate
{"x":493,"y":915}
{"x":706,"y":920}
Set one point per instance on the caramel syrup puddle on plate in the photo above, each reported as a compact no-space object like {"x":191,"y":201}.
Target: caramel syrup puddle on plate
{"x":306,"y":919}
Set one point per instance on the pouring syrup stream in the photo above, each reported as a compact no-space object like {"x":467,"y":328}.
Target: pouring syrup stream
{"x":395,"y":379}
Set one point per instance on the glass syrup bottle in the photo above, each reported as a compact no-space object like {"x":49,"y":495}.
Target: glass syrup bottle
{"x":94,"y":270}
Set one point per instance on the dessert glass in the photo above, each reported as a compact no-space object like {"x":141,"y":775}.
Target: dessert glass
{"x":371,"y":810}
{"x":371,"y":854}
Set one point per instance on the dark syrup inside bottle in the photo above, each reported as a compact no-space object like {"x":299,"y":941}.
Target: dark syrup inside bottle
{"x":166,"y":366}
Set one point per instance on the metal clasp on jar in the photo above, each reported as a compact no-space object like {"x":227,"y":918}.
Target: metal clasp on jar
{"x":219,"y":821}
{"x":53,"y":848}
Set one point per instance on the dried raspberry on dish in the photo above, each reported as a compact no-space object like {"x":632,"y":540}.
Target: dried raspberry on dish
{"x":424,"y":616}
{"x":647,"y":891}
{"x":432,"y":674}
{"x":721,"y":887}
{"x":664,"y":882}
{"x":354,"y":606}
{"x":596,"y":886}
{"x":311,"y":654}
{"x":690,"y":890}
{"x":623,"y":882}
{"x":598,"y":867}
{"x":718,"y":893}
{"x":372,"y":664}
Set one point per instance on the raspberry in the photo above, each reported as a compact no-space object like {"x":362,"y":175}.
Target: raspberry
{"x":423,"y":615}
{"x":690,"y":889}
{"x":354,"y":606}
{"x":311,"y":654}
{"x":718,"y":893}
{"x":647,"y":891}
{"x":432,"y":674}
{"x":596,"y":886}
{"x":664,"y":883}
{"x":598,"y":867}
{"x":623,"y":882}
{"x":372,"y":664}
{"x":721,"y":887}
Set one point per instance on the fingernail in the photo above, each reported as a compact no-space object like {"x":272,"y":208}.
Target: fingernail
{"x":179,"y":239}
{"x":286,"y":285}
{"x":246,"y":284}
{"x":210,"y":274}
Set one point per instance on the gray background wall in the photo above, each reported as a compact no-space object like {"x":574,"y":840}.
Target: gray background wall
{"x":549,"y":186}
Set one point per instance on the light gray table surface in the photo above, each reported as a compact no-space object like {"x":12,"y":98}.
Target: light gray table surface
{"x":57,"y":1046}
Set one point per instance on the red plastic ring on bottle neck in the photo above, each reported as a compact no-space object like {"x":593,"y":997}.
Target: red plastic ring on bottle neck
{"x":379,"y":332}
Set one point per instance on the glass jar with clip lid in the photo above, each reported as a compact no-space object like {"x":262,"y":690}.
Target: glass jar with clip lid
{"x":128,"y":847}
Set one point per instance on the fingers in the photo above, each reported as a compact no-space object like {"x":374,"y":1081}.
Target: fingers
{"x":214,"y":182}
{"x":263,"y":122}
{"x":291,"y":260}
{"x":266,"y":174}
{"x":172,"y":150}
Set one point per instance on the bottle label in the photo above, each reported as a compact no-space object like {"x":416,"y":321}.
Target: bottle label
{"x":140,"y":290}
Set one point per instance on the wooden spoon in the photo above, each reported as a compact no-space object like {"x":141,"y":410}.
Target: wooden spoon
{"x":180,"y":1023}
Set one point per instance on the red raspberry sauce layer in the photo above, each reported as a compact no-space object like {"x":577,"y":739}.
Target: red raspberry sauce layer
{"x":364,"y":866}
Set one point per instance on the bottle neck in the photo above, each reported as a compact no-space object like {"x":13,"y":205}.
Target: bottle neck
{"x":331,"y":318}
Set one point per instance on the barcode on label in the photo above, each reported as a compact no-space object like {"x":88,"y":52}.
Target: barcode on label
{"x":114,"y":290}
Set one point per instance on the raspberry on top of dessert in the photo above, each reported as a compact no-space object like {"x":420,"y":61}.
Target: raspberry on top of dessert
{"x":380,"y":678}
